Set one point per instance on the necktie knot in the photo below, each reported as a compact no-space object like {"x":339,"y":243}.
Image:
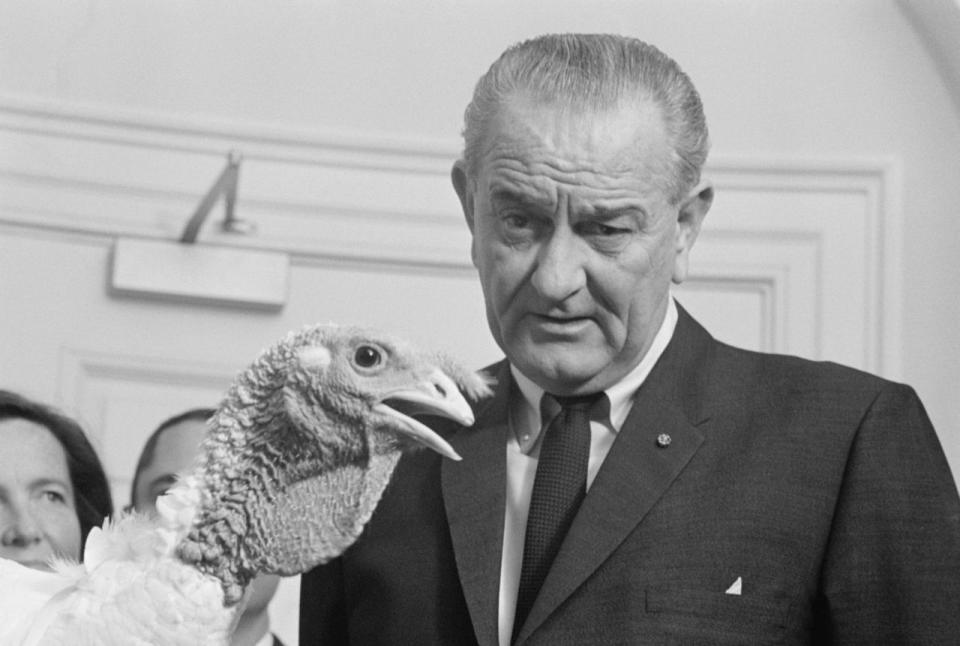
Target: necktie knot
{"x":579,"y":402}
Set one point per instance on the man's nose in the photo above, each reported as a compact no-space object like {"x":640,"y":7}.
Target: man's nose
{"x":560,"y":266}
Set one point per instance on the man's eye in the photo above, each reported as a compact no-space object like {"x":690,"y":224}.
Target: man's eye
{"x":520,"y":228}
{"x":517,"y":221}
{"x":603,"y":230}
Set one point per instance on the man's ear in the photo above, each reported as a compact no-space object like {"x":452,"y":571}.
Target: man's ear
{"x":458,"y":175}
{"x":461,"y":184}
{"x":690,"y":216}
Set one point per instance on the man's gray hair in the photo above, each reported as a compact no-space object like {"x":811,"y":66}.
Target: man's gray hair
{"x":598,"y":72}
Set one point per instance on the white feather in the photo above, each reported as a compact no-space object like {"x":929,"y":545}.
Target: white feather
{"x":129,"y":589}
{"x":23,"y":594}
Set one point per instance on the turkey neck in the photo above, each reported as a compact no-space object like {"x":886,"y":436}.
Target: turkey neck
{"x":236,"y":478}
{"x":257,"y":516}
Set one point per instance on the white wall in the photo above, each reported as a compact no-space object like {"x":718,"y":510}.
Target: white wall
{"x":780,"y":79}
{"x":808,"y":84}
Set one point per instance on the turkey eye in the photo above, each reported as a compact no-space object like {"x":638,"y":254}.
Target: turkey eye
{"x":367,"y":356}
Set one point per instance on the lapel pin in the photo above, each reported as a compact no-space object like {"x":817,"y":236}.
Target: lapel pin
{"x":663,"y":440}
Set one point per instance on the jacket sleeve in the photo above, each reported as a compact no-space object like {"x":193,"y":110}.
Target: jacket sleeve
{"x":891,"y":573}
{"x":323,"y":616}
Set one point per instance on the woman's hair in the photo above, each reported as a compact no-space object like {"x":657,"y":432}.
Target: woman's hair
{"x":150,"y":447}
{"x":90,"y":487}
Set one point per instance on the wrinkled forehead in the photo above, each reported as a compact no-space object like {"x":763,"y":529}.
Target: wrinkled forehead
{"x":629,"y":138}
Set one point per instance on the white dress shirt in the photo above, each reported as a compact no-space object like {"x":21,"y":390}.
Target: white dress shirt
{"x":529,"y":415}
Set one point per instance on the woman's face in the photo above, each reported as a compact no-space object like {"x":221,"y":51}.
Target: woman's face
{"x":38,"y":516}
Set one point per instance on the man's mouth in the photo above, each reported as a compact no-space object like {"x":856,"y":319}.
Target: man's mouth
{"x":561,"y":318}
{"x":565,"y":324}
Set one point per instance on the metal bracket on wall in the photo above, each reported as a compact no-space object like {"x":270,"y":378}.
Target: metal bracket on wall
{"x":187,"y":272}
{"x":226,"y":185}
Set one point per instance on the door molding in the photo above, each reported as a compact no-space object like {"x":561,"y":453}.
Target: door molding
{"x":815,"y":242}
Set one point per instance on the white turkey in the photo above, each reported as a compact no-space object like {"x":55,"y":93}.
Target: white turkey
{"x":294,"y":463}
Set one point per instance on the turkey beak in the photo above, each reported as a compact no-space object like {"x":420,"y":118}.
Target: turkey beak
{"x":436,"y":395}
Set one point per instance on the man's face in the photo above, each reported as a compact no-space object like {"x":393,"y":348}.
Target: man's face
{"x":575,"y":240}
{"x":176,"y":450}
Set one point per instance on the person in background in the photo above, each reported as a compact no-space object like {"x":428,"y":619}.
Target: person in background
{"x":633,"y":480}
{"x":170,"y":451}
{"x":53,"y":488}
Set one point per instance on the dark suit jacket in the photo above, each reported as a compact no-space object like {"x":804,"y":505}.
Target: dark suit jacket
{"x":822,"y":489}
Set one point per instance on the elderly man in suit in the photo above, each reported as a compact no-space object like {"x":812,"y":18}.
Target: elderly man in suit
{"x":633,"y":480}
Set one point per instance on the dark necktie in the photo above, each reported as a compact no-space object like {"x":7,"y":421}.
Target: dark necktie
{"x":558,"y":488}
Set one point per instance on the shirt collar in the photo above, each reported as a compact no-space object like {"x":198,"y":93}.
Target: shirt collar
{"x":528,"y":419}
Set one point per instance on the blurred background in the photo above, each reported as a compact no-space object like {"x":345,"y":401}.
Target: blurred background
{"x":834,"y":234}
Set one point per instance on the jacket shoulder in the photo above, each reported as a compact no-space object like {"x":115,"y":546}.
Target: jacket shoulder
{"x":783,"y":372}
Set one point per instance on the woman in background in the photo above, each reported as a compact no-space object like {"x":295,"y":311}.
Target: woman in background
{"x":53,"y":489}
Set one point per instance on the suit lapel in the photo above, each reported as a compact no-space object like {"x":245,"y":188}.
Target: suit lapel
{"x":636,"y":472}
{"x":474,"y":494}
